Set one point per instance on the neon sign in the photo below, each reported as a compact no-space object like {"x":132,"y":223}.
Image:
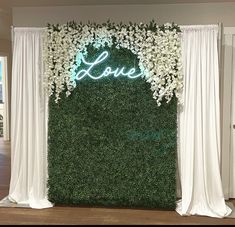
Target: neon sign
{"x":131,"y":73}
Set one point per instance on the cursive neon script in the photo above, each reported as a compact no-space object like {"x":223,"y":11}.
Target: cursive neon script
{"x":108,"y":70}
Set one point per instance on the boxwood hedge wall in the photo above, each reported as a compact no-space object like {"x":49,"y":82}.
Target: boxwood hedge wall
{"x":110,"y":144}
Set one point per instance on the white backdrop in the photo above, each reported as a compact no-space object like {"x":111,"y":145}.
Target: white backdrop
{"x":199,"y":132}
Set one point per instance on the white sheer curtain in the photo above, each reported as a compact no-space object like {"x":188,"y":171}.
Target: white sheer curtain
{"x":28,"y":183}
{"x":199,"y":125}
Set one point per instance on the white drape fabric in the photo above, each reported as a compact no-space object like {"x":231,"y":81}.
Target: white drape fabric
{"x":199,"y":126}
{"x":28,"y":183}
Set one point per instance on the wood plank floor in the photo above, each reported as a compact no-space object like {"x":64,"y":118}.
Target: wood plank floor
{"x":62,"y":215}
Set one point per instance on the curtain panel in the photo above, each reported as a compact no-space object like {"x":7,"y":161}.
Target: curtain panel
{"x":28,"y":184}
{"x":199,"y":150}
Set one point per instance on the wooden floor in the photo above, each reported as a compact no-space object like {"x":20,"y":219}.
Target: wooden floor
{"x":88,"y":216}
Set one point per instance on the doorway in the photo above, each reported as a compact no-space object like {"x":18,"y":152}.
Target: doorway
{"x":228,"y":113}
{"x":4,"y":107}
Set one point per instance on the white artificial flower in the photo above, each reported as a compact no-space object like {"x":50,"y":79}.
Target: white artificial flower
{"x":159,"y":54}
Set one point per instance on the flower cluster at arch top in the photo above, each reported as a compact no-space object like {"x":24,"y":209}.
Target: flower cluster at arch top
{"x":158,"y":49}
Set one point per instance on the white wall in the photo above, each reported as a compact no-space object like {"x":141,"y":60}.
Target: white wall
{"x":209,"y":13}
{"x":228,"y":112}
{"x":5,"y":30}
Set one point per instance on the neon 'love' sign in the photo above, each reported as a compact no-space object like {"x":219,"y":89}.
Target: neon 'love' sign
{"x":107,"y":71}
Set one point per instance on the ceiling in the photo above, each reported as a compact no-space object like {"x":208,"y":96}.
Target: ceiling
{"x":28,"y":3}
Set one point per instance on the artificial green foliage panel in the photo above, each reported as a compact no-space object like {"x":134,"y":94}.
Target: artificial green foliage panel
{"x":110,"y":144}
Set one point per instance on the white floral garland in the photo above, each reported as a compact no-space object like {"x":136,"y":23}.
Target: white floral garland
{"x":157,"y":48}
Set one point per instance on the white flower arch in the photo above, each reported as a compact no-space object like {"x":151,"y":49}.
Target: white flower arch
{"x":157,"y":48}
